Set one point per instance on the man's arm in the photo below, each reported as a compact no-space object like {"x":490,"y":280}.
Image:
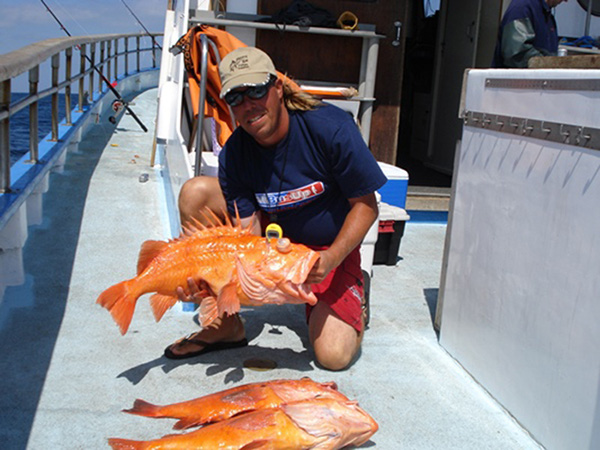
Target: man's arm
{"x":254,"y":222}
{"x":363,"y":213}
{"x":517,"y":43}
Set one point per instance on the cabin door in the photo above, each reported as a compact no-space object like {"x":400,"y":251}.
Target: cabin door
{"x":465,"y":39}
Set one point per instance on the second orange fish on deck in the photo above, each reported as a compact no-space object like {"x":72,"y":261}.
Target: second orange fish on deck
{"x":231,"y":402}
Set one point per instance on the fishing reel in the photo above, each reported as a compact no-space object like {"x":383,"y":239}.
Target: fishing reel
{"x":118,"y":107}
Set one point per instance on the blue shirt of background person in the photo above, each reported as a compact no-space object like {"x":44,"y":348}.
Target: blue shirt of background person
{"x":528,"y":29}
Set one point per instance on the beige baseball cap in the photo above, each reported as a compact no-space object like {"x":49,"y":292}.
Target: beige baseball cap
{"x":245,"y":66}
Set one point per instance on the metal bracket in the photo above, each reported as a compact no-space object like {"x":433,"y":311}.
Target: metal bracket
{"x":575,"y":84}
{"x":586,"y":137}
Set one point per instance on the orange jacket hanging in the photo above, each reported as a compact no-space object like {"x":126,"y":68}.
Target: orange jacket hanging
{"x":214,"y":106}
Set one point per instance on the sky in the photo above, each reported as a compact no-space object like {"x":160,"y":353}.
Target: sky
{"x":23,"y":22}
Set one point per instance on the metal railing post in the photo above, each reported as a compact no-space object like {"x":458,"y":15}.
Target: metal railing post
{"x":126,"y":56}
{"x":108,"y":59}
{"x":137,"y":53}
{"x":34,"y":78}
{"x":101,"y":63}
{"x":5,"y":138}
{"x":153,"y":54}
{"x":68,"y":69}
{"x":55,"y":68}
{"x":200,"y":127}
{"x":82,"y":63}
{"x":116,"y":60}
{"x":92,"y":71}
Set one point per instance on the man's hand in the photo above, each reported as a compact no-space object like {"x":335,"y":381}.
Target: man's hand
{"x":325,"y":264}
{"x":363,"y":212}
{"x":195,"y":292}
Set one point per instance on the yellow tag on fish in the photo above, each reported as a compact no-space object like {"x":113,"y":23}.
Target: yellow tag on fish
{"x":273,"y":231}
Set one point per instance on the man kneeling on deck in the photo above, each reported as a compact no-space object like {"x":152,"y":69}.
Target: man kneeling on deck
{"x":289,"y":142}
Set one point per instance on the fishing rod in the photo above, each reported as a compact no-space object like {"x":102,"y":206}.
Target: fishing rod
{"x":106,"y":80}
{"x":142,"y":25}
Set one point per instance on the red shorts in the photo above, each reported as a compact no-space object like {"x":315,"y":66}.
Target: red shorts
{"x":342,"y":289}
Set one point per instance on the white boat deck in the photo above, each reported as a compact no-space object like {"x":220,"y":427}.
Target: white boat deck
{"x":66,"y":372}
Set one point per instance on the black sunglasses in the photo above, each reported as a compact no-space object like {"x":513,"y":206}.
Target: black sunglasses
{"x":235,"y":98}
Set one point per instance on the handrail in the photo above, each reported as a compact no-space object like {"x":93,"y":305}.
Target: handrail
{"x":111,"y":62}
{"x":205,"y":42}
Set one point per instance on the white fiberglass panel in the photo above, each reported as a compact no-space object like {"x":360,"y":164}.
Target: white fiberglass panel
{"x":521,"y":296}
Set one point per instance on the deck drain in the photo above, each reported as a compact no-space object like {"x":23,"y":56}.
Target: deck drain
{"x":260,"y":364}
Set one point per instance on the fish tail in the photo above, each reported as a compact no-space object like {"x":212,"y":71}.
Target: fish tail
{"x":126,"y":444}
{"x":120,"y":302}
{"x":144,"y":408}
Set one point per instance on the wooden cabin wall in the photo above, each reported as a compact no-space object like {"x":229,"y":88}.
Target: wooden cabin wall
{"x":337,"y":59}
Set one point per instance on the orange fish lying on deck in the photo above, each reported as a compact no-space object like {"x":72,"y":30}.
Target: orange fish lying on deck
{"x":231,"y":402}
{"x":237,"y":267}
{"x":320,"y":423}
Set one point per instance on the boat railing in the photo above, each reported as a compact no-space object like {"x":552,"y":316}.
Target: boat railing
{"x":102,"y":58}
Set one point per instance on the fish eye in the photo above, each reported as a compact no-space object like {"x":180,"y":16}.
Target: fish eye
{"x":284,"y":245}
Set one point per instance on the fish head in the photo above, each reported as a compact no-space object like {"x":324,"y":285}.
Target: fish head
{"x":342,"y":423}
{"x":275,"y":271}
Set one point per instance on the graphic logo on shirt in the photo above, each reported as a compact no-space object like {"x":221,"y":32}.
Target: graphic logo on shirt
{"x":290,"y":199}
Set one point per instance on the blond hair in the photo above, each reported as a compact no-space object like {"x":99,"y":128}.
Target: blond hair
{"x":296,"y":99}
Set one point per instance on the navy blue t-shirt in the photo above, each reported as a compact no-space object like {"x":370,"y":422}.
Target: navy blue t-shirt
{"x":306,"y":179}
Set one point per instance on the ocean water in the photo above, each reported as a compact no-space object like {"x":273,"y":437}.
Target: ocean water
{"x":19,"y":123}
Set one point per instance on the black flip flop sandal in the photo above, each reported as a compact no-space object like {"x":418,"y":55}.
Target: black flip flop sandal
{"x":208,"y":347}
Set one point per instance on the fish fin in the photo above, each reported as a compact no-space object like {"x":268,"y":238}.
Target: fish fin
{"x":184,"y":424}
{"x":195,"y":226}
{"x":229,"y":303}
{"x":143,"y":408}
{"x":211,"y":218}
{"x":126,"y":444}
{"x":149,"y":251}
{"x":160,"y":304}
{"x":228,"y":222}
{"x":258,"y":444}
{"x":209,"y":311}
{"x":120,"y":303}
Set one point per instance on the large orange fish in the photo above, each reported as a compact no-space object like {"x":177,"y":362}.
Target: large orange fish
{"x":231,"y":402}
{"x":320,"y":423}
{"x":236,"y":267}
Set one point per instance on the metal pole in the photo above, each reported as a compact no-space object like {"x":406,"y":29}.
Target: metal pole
{"x":55,"y":67}
{"x":101,"y":68}
{"x":153,"y":54}
{"x":116,"y":59}
{"x":108,"y":59}
{"x":370,"y":55}
{"x":200,"y":127}
{"x":137,"y":53}
{"x":69,"y":63}
{"x":5,"y":138}
{"x":126,"y":56}
{"x":588,"y":17}
{"x":91,"y":80}
{"x":82,"y":60}
{"x":34,"y":78}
